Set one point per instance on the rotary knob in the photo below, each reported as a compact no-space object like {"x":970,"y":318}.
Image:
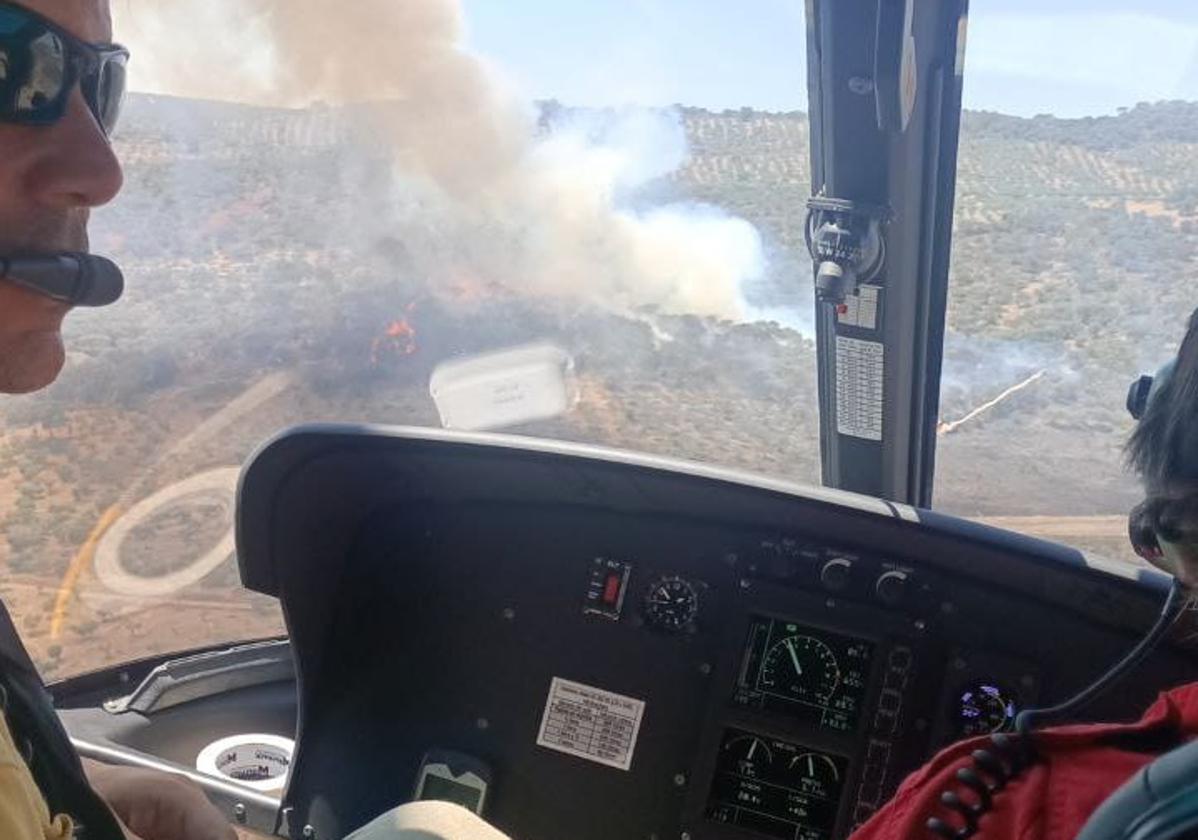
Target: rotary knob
{"x":891,"y":588}
{"x":836,"y":574}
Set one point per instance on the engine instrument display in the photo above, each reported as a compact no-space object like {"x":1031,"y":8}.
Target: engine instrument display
{"x":808,"y":674}
{"x":776,"y":787}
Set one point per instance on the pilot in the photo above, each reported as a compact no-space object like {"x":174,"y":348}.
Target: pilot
{"x":1077,"y":767}
{"x":60,"y":91}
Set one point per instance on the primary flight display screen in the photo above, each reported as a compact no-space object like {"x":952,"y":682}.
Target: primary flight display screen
{"x":804,"y":673}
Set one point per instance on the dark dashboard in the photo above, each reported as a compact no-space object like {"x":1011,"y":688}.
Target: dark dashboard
{"x":642,"y":649}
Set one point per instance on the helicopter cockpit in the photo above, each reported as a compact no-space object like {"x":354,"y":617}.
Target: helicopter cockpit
{"x":578,"y":569}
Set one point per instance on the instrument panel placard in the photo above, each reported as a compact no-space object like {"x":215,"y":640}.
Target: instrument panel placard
{"x":591,"y":723}
{"x":804,"y":673}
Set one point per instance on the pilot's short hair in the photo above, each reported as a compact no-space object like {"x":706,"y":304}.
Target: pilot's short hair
{"x":1164,"y":447}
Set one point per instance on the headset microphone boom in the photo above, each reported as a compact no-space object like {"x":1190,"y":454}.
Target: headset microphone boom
{"x":77,"y":279}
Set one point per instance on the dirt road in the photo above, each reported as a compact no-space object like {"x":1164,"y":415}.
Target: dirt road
{"x":1062,"y":528}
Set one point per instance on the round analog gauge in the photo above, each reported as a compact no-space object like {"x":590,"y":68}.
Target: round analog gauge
{"x":802,"y":668}
{"x":984,"y":708}
{"x":750,"y":753}
{"x":817,"y":768}
{"x":671,"y":604}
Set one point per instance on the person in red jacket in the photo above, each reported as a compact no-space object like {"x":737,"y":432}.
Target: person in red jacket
{"x":1077,"y":767}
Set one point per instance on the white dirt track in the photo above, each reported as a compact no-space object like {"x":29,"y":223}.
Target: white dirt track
{"x":217,"y":486}
{"x":214,"y":487}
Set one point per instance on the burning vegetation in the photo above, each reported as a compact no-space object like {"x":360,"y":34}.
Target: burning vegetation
{"x":398,"y":339}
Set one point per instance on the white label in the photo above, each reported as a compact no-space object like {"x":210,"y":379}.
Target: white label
{"x":591,"y":723}
{"x":859,"y":374}
{"x":861,"y":309}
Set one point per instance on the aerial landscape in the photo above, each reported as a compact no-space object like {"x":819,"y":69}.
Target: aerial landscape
{"x":284,"y":268}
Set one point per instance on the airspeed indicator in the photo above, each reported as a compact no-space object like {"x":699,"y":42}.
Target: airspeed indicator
{"x":806,"y":673}
{"x":802,"y":668}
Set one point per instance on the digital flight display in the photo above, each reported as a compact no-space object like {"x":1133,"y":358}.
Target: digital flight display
{"x":775,"y":787}
{"x":808,"y":674}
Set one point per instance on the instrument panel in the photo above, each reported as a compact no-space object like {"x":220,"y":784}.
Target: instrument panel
{"x":642,"y":654}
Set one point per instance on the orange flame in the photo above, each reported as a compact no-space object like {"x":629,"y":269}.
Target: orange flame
{"x":398,"y":338}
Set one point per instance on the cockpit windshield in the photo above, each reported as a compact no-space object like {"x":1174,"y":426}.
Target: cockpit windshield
{"x":1073,"y":259}
{"x":580,"y":221}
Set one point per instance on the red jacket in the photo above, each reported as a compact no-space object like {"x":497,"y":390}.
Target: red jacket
{"x":1078,"y":768}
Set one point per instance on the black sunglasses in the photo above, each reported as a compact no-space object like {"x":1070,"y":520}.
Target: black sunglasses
{"x":40,"y":64}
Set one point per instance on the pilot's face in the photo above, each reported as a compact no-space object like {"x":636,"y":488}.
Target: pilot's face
{"x":50,"y":177}
{"x":1164,"y":530}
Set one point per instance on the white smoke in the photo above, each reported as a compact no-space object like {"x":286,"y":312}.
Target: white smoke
{"x":479,"y":191}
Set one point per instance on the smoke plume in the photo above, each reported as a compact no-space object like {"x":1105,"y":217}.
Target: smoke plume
{"x":480,"y":191}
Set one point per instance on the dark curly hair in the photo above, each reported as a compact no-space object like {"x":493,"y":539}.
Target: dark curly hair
{"x":1163,"y":450}
{"x":1164,"y":447}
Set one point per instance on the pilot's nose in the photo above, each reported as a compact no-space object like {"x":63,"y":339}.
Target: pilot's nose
{"x":76,"y":166}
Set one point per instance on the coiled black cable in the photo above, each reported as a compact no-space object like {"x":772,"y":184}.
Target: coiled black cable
{"x":992,"y":768}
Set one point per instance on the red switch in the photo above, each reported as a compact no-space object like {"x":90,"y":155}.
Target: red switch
{"x":607,"y":585}
{"x":611,"y":589}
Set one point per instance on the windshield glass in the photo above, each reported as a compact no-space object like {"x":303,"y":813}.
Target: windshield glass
{"x":580,"y":221}
{"x":1074,"y":256}
{"x":573,"y":221}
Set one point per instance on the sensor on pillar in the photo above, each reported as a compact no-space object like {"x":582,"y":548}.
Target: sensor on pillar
{"x":845,"y":240}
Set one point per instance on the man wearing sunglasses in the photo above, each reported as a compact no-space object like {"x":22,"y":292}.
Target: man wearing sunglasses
{"x":61,"y":85}
{"x":59,"y":98}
